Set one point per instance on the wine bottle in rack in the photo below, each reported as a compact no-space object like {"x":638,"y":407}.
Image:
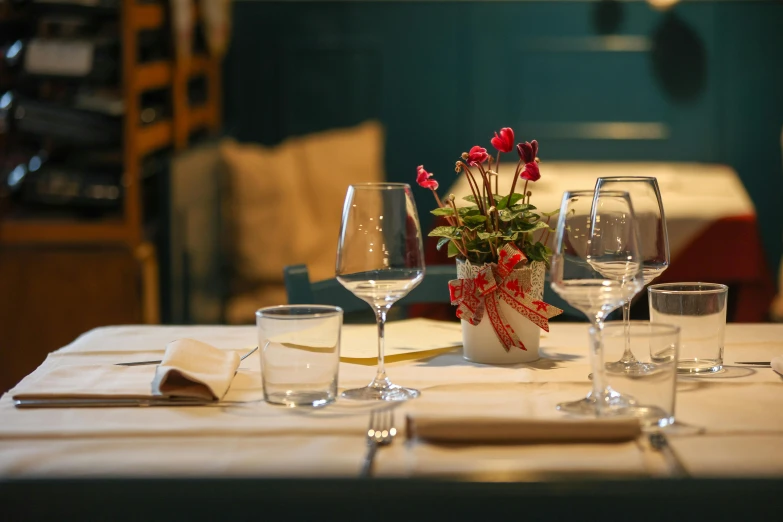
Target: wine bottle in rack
{"x":95,"y":60}
{"x":60,"y":122}
{"x":91,"y":118}
{"x":73,"y":6}
{"x":41,"y":182}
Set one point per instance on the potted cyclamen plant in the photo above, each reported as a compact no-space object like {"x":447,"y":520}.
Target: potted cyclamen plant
{"x":499,"y":242}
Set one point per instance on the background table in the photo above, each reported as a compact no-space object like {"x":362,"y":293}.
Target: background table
{"x":704,"y":205}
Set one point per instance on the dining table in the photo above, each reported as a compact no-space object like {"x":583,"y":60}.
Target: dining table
{"x":728,"y":434}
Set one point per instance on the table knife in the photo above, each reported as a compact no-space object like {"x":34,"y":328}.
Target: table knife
{"x":755,"y":363}
{"x":108,"y":402}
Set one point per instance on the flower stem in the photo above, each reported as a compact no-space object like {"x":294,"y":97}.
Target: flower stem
{"x":464,"y":249}
{"x":473,"y":187}
{"x":516,"y":177}
{"x":487,"y":186}
{"x":544,"y":232}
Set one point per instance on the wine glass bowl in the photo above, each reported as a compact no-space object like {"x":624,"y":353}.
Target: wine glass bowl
{"x":380,"y":258}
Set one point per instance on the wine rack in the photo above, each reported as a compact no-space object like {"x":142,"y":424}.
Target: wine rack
{"x":126,"y":229}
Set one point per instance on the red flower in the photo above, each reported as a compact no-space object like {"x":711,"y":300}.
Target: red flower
{"x":530,"y":172}
{"x":423,"y":178}
{"x":477,"y":155}
{"x":504,"y":142}
{"x":528,"y":151}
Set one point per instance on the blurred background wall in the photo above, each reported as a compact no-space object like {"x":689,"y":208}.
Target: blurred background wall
{"x":591,"y":80}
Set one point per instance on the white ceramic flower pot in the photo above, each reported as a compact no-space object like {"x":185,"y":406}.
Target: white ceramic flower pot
{"x":480,"y":342}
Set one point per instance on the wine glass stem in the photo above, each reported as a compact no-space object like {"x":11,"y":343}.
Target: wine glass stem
{"x":628,"y":357}
{"x":380,"y":318}
{"x":596,"y":358}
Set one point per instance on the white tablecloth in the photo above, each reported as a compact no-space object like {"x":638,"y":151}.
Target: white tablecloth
{"x":739,"y":409}
{"x":693,"y":194}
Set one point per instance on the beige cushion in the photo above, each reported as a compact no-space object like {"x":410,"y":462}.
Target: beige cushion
{"x":285,"y":202}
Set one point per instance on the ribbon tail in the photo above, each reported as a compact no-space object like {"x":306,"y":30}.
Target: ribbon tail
{"x":503,"y":329}
{"x":525,"y":307}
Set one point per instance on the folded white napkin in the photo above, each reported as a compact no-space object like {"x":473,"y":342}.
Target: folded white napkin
{"x":191,"y":368}
{"x":489,"y":430}
{"x":777,"y":364}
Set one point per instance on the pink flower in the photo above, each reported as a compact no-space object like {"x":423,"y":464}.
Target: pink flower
{"x":423,"y":178}
{"x":528,"y":151}
{"x":530,"y":172}
{"x":477,"y":155}
{"x":504,"y":142}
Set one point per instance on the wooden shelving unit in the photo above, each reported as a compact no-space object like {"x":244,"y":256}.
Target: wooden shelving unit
{"x":138,"y":142}
{"x":88,"y":273}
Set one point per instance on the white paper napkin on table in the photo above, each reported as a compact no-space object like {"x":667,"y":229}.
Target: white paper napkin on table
{"x":190,"y":368}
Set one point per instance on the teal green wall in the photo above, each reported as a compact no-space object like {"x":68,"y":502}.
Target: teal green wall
{"x":705,"y":81}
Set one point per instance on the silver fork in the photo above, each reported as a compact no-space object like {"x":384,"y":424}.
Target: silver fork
{"x":660,"y":443}
{"x":381,"y":432}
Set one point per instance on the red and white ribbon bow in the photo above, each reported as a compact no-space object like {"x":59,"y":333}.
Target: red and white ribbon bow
{"x":500,"y":281}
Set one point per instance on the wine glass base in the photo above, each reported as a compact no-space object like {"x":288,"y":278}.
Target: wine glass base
{"x":584,"y":406}
{"x":387,"y":393}
{"x":629,"y":368}
{"x":613,"y":402}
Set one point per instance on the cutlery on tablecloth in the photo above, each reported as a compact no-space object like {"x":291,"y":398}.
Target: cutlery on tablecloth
{"x":767,"y":364}
{"x":381,"y":432}
{"x":108,"y":402}
{"x":660,"y":443}
{"x":143,"y":363}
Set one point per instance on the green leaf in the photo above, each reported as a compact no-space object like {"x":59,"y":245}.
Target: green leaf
{"x":453,"y":250}
{"x":474,"y":221}
{"x":487,"y":235}
{"x":445,"y":231}
{"x":509,"y":215}
{"x":523,"y":207}
{"x":443,"y":211}
{"x":442,"y":241}
{"x":448,"y":211}
{"x":531,"y":227}
{"x":469,"y":211}
{"x":538,"y":252}
{"x":472,"y":198}
{"x":550,"y":214}
{"x":506,"y":201}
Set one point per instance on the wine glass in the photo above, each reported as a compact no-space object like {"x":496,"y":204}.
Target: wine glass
{"x":648,"y":208}
{"x":380,"y":259}
{"x":596,"y":267}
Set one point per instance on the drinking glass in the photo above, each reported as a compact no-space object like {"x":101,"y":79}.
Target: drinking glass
{"x":650,"y":394}
{"x":651,"y":221}
{"x":699,"y":309}
{"x":380,"y":259}
{"x":300,"y":353}
{"x":596,"y":267}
